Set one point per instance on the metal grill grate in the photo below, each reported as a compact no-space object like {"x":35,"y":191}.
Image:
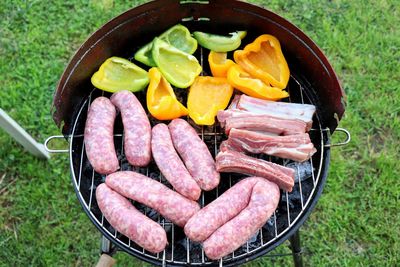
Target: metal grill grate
{"x":181,"y":251}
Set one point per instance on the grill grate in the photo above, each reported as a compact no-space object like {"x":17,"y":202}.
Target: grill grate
{"x":181,"y":251}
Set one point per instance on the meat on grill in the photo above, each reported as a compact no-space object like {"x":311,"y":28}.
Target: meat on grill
{"x":126,"y":219}
{"x":233,"y":118}
{"x":195,"y":154}
{"x":296,"y":147}
{"x":98,"y":136}
{"x":137,"y":129}
{"x":261,"y":201}
{"x":233,"y":161}
{"x":170,"y":165}
{"x":153,"y":194}
{"x":283,"y":110}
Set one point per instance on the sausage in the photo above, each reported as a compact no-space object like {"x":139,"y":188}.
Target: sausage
{"x":218,"y":212}
{"x":153,"y":194}
{"x":126,"y":219}
{"x":137,"y":129}
{"x":263,"y":202}
{"x":98,"y":136}
{"x":195,"y":154}
{"x":170,"y":165}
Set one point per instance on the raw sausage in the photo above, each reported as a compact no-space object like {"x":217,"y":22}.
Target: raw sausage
{"x":98,"y":136}
{"x":195,"y":154}
{"x":218,"y":212}
{"x":263,"y":202}
{"x":170,"y":165}
{"x":126,"y":219}
{"x":137,"y":129}
{"x":153,"y":194}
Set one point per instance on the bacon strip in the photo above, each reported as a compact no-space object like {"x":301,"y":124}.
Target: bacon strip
{"x":233,"y":161}
{"x":296,"y":147}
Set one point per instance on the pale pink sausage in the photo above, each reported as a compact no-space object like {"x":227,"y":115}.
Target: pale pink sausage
{"x":126,"y":219}
{"x":195,"y":154}
{"x":153,"y":194}
{"x":170,"y":165}
{"x":137,"y":129}
{"x":98,"y":136}
{"x":263,"y":202}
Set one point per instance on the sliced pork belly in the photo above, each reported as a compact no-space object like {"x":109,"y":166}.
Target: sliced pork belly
{"x":233,"y":161}
{"x":296,"y":147}
{"x":283,"y":110}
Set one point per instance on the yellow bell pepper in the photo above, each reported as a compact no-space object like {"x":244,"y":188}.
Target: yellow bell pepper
{"x":219,"y":64}
{"x":161,"y":99}
{"x":254,"y":87}
{"x":206,"y":97}
{"x":263,"y":59}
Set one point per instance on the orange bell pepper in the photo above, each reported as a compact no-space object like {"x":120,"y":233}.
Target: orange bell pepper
{"x":219,"y":64}
{"x":254,"y":87}
{"x":263,"y":59}
{"x":206,"y":97}
{"x":161,"y":99}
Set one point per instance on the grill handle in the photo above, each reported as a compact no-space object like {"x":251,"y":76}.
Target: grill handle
{"x":345,"y":142}
{"x":55,"y":150}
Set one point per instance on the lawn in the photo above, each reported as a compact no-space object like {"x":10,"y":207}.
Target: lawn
{"x":357,"y":220}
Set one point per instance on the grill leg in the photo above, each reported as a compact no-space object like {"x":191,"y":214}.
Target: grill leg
{"x":296,"y":249}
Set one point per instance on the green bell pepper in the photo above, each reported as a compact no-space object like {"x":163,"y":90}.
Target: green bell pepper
{"x":177,"y":36}
{"x":179,"y":68}
{"x":220,"y":43}
{"x":117,"y":74}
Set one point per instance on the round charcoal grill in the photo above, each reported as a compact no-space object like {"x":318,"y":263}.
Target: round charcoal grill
{"x":312,"y":81}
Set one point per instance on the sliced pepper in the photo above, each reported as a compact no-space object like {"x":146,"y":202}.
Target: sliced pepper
{"x":254,"y":87}
{"x":263,"y":59}
{"x":117,"y":74}
{"x":206,"y":97}
{"x":220,"y":43}
{"x":219,"y":64}
{"x":177,"y":36}
{"x":179,"y":68}
{"x":161,"y":99}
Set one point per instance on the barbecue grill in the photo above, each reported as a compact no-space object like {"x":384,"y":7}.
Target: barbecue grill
{"x":312,"y":81}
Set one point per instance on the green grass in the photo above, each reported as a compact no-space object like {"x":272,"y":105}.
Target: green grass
{"x":356,"y":222}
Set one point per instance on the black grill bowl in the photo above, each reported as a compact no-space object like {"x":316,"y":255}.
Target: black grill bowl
{"x":312,"y":81}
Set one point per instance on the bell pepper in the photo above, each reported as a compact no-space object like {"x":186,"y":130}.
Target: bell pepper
{"x":117,"y":74}
{"x":220,"y":43}
{"x":179,"y":68}
{"x":254,"y":87}
{"x":161,"y":99}
{"x":206,"y":97}
{"x":177,"y":36}
{"x":219,"y":64}
{"x":263,"y":59}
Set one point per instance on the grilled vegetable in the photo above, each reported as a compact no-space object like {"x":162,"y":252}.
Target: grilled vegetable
{"x":179,"y":68}
{"x":219,"y":43}
{"x":263,"y":59}
{"x":254,"y":87}
{"x":177,"y":36}
{"x":207,"y":96}
{"x":117,"y":74}
{"x":219,"y":64}
{"x":161,"y":99}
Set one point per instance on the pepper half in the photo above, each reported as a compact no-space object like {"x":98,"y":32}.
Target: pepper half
{"x":177,"y":36}
{"x":263,"y":59}
{"x":220,"y":43}
{"x":219,"y":64}
{"x":117,"y":74}
{"x":206,"y":97}
{"x":161,"y":99}
{"x":179,"y":68}
{"x":254,"y":87}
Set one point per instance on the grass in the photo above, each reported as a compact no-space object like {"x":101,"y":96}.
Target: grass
{"x":356,"y":222}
